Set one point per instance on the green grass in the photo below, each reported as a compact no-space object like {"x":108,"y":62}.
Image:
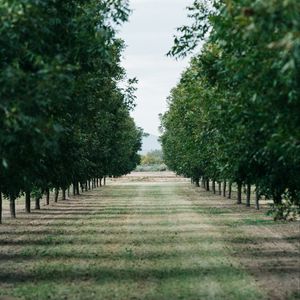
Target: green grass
{"x":144,"y":241}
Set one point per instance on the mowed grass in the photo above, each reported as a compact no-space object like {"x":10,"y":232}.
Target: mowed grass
{"x":157,"y":240}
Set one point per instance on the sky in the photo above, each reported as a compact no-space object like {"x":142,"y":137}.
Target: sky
{"x":149,"y":36}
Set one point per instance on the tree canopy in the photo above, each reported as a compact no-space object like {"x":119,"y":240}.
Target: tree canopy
{"x":234,"y":116}
{"x":64,"y":117}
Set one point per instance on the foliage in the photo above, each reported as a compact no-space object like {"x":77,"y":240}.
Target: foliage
{"x":235,"y":113}
{"x":152,"y":162}
{"x":63,"y":117}
{"x":151,"y":168}
{"x":152,"y":157}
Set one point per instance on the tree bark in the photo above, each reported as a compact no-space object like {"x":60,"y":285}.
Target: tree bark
{"x":74,"y":188}
{"x":64,"y":194}
{"x":0,"y":207}
{"x":197,"y":182}
{"x":89,"y":184}
{"x":257,"y":196}
{"x":100,"y":181}
{"x":27,"y":202}
{"x":224,"y":188}
{"x":239,"y":194}
{"x":68,"y":192}
{"x":214,"y":186}
{"x":47,"y":196}
{"x":277,"y":198}
{"x":37,"y":202}
{"x":207,"y":185}
{"x":12,"y":207}
{"x":203,"y":182}
{"x":219,"y":188}
{"x":77,"y":188}
{"x":248,"y":199}
{"x":229,"y":190}
{"x":56,"y":195}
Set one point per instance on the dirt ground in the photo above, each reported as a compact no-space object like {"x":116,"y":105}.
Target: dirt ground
{"x":148,"y":236}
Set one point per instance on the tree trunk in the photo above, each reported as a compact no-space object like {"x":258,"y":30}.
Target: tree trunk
{"x":214,"y":186}
{"x":257,"y":196}
{"x":27,"y":202}
{"x":77,"y":188}
{"x":248,"y":199}
{"x":64,"y":194}
{"x":197,"y":182}
{"x":47,"y":196}
{"x":224,"y":188}
{"x":203,"y":183}
{"x":239,"y":194}
{"x":74,"y":189}
{"x":277,"y":198}
{"x":37,"y":202}
{"x":68,"y":192}
{"x":0,"y":207}
{"x":89,"y":184}
{"x":56,"y":195}
{"x":12,"y":207}
{"x":100,"y":181}
{"x":82,"y":188}
{"x":207,"y":185}
{"x":229,"y":190}
{"x":219,"y":188}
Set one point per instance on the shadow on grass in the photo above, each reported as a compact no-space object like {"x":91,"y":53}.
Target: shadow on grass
{"x":129,"y":254}
{"x":67,"y":273}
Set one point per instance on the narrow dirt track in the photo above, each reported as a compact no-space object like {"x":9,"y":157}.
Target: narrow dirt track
{"x":148,"y":237}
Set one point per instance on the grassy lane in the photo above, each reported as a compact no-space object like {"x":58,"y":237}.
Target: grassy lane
{"x":132,"y":240}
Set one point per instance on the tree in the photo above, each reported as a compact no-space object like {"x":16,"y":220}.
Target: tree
{"x":60,"y":69}
{"x":246,"y":74}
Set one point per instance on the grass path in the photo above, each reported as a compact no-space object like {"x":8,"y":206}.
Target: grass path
{"x":147,"y":240}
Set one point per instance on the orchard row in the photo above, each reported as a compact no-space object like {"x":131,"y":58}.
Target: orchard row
{"x":235,"y":114}
{"x":65,"y":99}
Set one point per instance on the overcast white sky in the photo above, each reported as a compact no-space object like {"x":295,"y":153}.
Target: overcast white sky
{"x":149,"y":36}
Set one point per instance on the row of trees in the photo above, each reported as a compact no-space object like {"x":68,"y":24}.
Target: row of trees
{"x":64,"y":117}
{"x":235,"y":114}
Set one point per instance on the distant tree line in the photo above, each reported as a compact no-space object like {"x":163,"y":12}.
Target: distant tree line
{"x":234,"y":117}
{"x":154,"y":157}
{"x":152,"y":161}
{"x":64,"y":117}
